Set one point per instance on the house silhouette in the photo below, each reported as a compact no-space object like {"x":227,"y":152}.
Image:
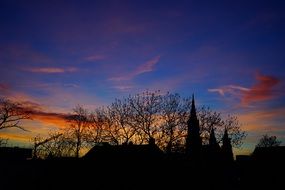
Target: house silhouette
{"x":15,"y":153}
{"x":125,"y":152}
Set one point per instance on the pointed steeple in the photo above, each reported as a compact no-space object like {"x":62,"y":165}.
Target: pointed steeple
{"x":226,"y":139}
{"x":193,"y":108}
{"x":193,"y":139}
{"x":214,"y":147}
{"x":213,"y":140}
{"x":227,"y":147}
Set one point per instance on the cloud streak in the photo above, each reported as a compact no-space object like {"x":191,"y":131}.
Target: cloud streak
{"x":231,"y":89}
{"x":37,"y":112}
{"x":262,"y":90}
{"x":148,"y":66}
{"x":58,"y":119}
{"x":52,"y":70}
{"x":95,"y":57}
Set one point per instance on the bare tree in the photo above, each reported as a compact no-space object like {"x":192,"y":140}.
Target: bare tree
{"x":78,"y":125}
{"x":212,"y":119}
{"x":55,"y":145}
{"x":11,"y":114}
{"x":111,"y":130}
{"x":174,"y":112}
{"x":96,"y":132}
{"x":145,"y":113}
{"x":268,"y":141}
{"x":121,"y":114}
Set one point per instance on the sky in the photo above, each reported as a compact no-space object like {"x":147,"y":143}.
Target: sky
{"x":230,"y":54}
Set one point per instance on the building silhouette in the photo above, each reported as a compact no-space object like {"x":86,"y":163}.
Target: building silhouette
{"x":193,"y":139}
{"x":125,"y":152}
{"x":227,"y":151}
{"x":15,"y":153}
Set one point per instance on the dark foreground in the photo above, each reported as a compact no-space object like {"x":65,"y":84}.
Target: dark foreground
{"x":159,"y":174}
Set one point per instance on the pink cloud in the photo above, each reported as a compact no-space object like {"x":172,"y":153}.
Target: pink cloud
{"x":50,"y":70}
{"x":148,"y":66}
{"x":261,"y":91}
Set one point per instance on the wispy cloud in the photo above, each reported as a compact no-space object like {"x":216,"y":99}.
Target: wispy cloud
{"x":51,"y":70}
{"x":148,"y":66}
{"x":123,"y":87}
{"x":95,"y":57}
{"x":39,"y":112}
{"x":231,"y":89}
{"x":261,"y":91}
{"x":57,"y":119}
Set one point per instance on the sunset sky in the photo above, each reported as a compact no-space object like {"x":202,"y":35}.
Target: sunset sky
{"x":57,"y":54}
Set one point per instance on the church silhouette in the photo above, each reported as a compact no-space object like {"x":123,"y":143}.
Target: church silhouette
{"x":194,"y":150}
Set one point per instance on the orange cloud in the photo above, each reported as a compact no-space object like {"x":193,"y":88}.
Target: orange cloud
{"x":38,"y":112}
{"x":148,"y":66}
{"x":57,"y":119}
{"x":261,"y":91}
{"x":16,"y":137}
{"x":51,"y":70}
{"x":262,"y":120}
{"x":41,"y":122}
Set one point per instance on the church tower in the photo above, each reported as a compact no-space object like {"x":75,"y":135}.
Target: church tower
{"x":193,"y":139}
{"x":213,"y":141}
{"x":227,"y":150}
{"x":214,"y":147}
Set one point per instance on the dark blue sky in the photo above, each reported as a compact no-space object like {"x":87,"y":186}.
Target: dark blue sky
{"x":229,"y":53}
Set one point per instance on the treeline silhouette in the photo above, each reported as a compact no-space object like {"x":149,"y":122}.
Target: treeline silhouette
{"x":136,"y":119}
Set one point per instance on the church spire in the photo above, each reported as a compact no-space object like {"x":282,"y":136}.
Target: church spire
{"x":193,"y":139}
{"x":193,"y":108}
{"x":213,"y":140}
{"x":226,"y":139}
{"x":227,"y":147}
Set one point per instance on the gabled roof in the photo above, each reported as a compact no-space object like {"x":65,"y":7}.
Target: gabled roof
{"x":269,"y":152}
{"x":15,"y":153}
{"x":107,"y":151}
